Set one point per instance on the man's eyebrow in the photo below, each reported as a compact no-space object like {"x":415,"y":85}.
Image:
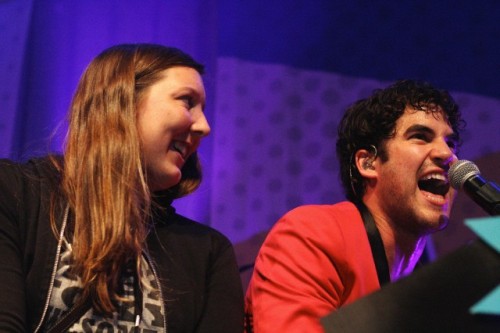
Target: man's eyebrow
{"x":419,"y":128}
{"x":425,"y":129}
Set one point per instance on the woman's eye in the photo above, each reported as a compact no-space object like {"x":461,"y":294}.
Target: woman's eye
{"x":188,"y":101}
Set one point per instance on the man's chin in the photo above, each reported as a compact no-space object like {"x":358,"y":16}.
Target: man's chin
{"x":443,"y":222}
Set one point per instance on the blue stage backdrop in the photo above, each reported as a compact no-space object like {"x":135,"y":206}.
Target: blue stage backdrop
{"x":279,"y":75}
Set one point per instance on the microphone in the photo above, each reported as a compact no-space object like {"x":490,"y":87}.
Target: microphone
{"x":465,"y":174}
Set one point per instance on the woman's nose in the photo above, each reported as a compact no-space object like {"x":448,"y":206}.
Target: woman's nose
{"x":200,"y":125}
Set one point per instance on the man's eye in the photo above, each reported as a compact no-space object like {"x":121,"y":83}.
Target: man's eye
{"x":419,"y":136}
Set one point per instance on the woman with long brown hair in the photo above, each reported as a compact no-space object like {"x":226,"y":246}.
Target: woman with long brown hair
{"x":89,"y":241}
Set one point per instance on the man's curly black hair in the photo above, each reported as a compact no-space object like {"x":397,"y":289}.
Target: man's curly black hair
{"x":371,"y":121}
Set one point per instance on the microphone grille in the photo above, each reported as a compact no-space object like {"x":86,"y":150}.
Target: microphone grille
{"x":460,"y":171}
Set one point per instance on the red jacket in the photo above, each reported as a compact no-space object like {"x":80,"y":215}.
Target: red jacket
{"x":314,"y":260}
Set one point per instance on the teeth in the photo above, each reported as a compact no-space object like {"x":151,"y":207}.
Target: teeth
{"x":437,"y":176}
{"x":181,"y":148}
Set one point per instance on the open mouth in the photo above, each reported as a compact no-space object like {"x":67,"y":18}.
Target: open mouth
{"x":435,"y":183}
{"x":180,"y":148}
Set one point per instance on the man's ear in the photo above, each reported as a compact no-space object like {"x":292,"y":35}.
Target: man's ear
{"x":366,"y":163}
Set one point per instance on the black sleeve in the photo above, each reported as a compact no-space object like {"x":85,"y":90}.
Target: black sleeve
{"x":12,"y":289}
{"x":223,"y":310}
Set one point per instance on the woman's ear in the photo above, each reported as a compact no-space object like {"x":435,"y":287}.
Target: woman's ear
{"x":366,"y":163}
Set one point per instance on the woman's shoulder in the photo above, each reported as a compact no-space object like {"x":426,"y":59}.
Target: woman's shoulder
{"x":36,"y":172}
{"x":186,"y":227}
{"x":189,"y":245}
{"x":46,"y":166}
